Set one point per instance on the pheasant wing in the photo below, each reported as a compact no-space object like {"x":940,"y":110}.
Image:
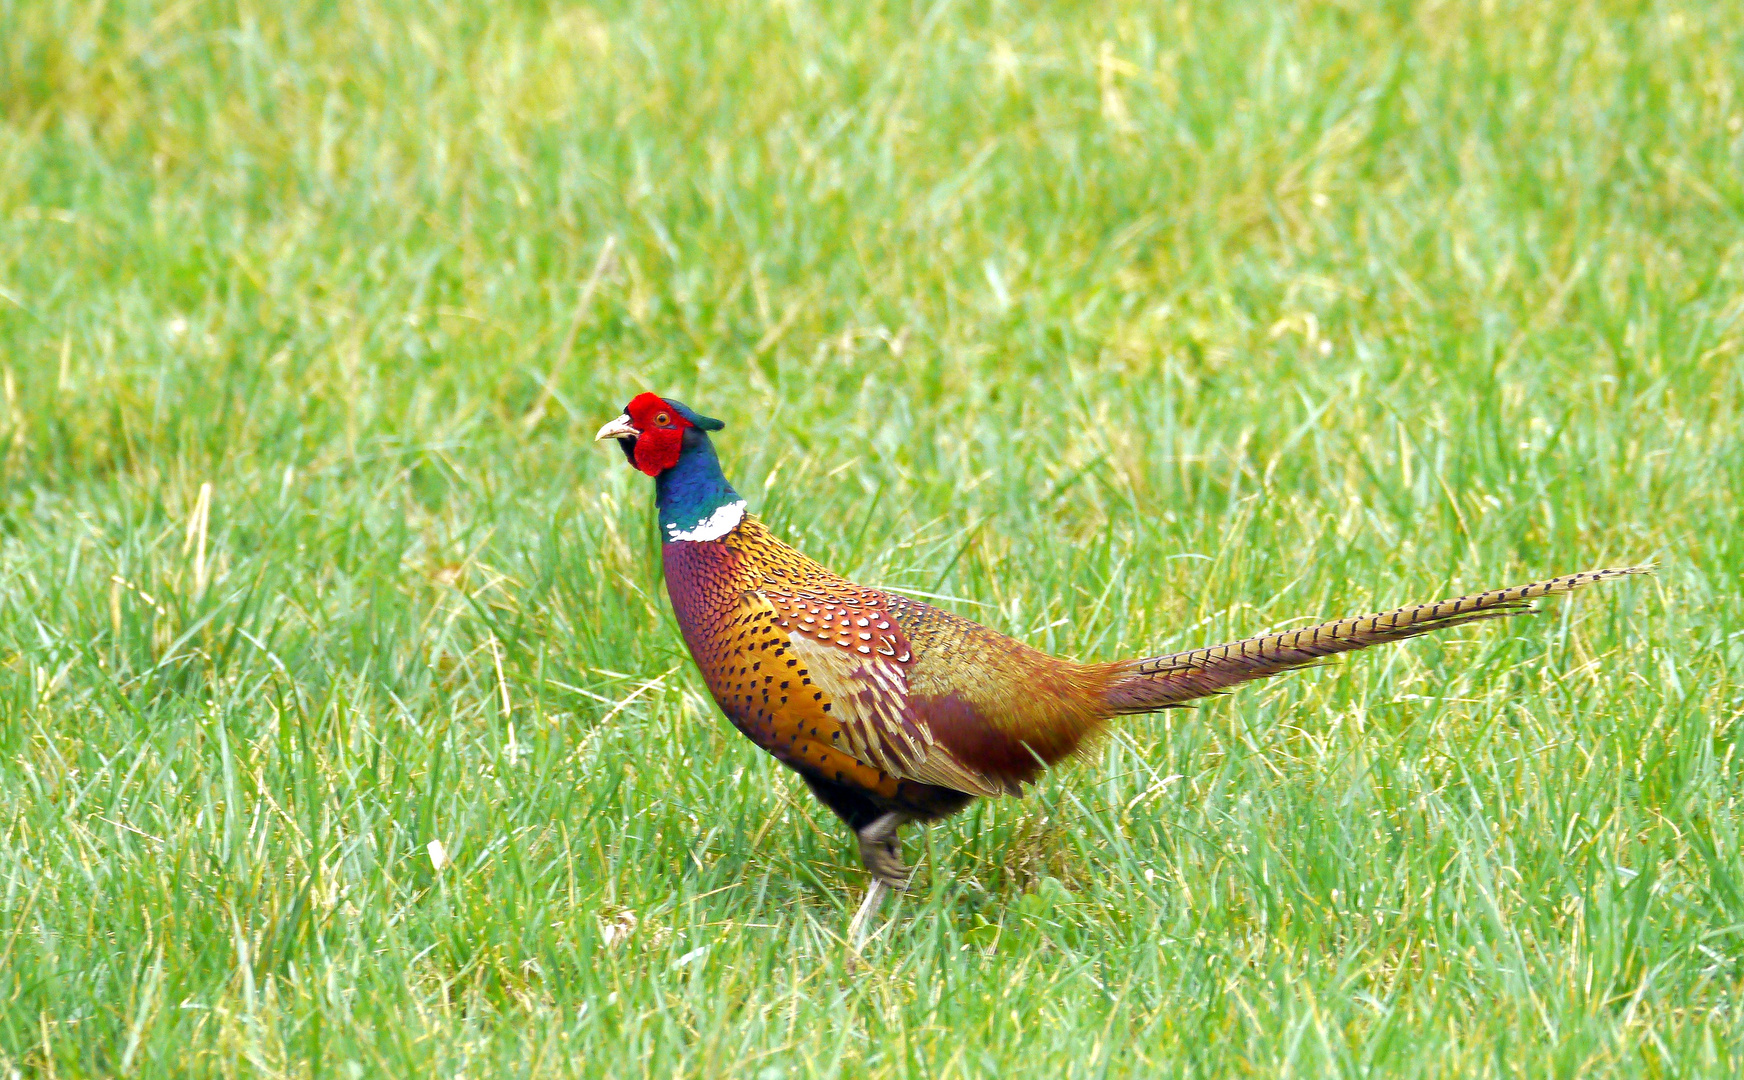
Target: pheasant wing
{"x":858,"y":656}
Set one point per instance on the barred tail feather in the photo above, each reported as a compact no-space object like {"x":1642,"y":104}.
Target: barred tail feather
{"x":1162,"y":682}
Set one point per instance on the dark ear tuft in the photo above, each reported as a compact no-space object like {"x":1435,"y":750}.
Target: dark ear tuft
{"x":705,"y":423}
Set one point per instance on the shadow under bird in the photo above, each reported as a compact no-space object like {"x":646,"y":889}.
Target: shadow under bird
{"x":893,"y":711}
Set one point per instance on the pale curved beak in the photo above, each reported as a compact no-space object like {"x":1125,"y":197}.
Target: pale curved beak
{"x":621,"y":428}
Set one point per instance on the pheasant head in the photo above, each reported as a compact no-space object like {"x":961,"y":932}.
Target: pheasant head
{"x":669,"y":441}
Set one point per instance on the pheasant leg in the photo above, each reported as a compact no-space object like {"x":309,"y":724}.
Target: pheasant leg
{"x":881,"y":851}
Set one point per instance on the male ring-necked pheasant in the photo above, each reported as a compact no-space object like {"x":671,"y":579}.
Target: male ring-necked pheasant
{"x":893,"y":711}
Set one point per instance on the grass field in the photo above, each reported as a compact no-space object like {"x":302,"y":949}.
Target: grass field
{"x":344,"y":730}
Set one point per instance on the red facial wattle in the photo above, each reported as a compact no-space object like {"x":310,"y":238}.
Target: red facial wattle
{"x":659,"y":433}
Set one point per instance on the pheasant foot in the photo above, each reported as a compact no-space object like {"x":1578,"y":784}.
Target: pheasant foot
{"x":881,"y":851}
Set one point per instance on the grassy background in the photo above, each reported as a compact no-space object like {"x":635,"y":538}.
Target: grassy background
{"x":1132,"y":328}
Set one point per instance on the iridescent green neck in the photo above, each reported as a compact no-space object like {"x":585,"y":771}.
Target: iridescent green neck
{"x":693,"y":497}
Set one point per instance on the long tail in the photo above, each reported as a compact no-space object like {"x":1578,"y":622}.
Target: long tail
{"x":1160,"y":682}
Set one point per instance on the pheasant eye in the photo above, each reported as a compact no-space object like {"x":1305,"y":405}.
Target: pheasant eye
{"x":662,"y":419}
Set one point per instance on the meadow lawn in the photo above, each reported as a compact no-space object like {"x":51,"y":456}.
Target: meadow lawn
{"x":344,"y":727}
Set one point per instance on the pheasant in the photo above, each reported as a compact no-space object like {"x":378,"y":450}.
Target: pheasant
{"x":893,"y":711}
